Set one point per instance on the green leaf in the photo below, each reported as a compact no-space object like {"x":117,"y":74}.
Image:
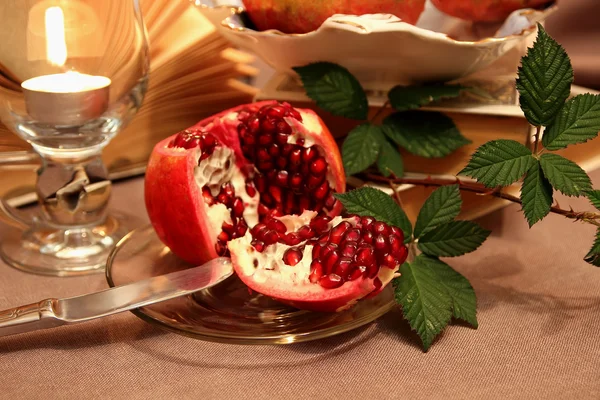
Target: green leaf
{"x":360,"y":148}
{"x":593,"y":257}
{"x":545,"y":78}
{"x":426,"y":134}
{"x":425,"y":302}
{"x":370,"y":202}
{"x":536,"y":195}
{"x":464,"y":301}
{"x":453,"y":239}
{"x":390,"y":160}
{"x":404,"y":98}
{"x":565,"y":175}
{"x":577,"y":122}
{"x":499,"y":163}
{"x":594,"y":197}
{"x":334,"y":89}
{"x":443,"y":205}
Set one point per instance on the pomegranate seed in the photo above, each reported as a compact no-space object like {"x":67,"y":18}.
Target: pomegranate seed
{"x":315,"y":181}
{"x":275,"y":191}
{"x":258,"y":245}
{"x":292,"y":256}
{"x":208,"y":140}
{"x":321,"y":192}
{"x":238,"y":207}
{"x":254,"y":125}
{"x":331,"y":200}
{"x":380,"y":228}
{"x":271,"y":237}
{"x":296,"y":157}
{"x":287,"y":149}
{"x":263,"y":210}
{"x":309,"y":154}
{"x":261,"y":183}
{"x":264,"y":165}
{"x":357,"y":273}
{"x":301,"y":142}
{"x":342,"y":268}
{"x":320,"y":224}
{"x":281,"y":137}
{"x":318,"y":166}
{"x":207,"y":196}
{"x":221,"y":248}
{"x":352,"y":235}
{"x":398,"y":232}
{"x":380,"y":243}
{"x":276,"y":112}
{"x":306,"y":232}
{"x":324,"y":238}
{"x":372,"y":270}
{"x":241,"y":229}
{"x":349,"y":250}
{"x":365,"y":256}
{"x":274,"y":150}
{"x":263,"y":155}
{"x":292,"y":239}
{"x":316,"y":251}
{"x":367,"y":237}
{"x":366,"y":222}
{"x":289,"y":204}
{"x":401,"y":255}
{"x":327,"y":249}
{"x":304,"y":203}
{"x":228,"y":228}
{"x":250,"y":189}
{"x":316,"y":271}
{"x":259,"y":230}
{"x":223,"y":237}
{"x":276,"y":225}
{"x":282,"y":178}
{"x":395,"y":244}
{"x":281,"y":162}
{"x":389,"y":261}
{"x":330,"y":261}
{"x":331,"y":281}
{"x":276,"y":213}
{"x":296,"y":181}
{"x":284,"y":128}
{"x":339,"y":231}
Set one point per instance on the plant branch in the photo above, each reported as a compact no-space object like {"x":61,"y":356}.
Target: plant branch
{"x":538,"y":130}
{"x":587,"y":217}
{"x":381,"y":110}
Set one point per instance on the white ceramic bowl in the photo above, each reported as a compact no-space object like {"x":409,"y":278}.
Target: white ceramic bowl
{"x":380,"y":48}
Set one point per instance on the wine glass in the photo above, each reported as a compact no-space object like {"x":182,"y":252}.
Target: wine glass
{"x":72,"y":74}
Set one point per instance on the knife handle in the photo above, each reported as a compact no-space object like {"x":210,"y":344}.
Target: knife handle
{"x":28,"y":318}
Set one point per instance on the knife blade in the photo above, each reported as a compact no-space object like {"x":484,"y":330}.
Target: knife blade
{"x":50,"y":313}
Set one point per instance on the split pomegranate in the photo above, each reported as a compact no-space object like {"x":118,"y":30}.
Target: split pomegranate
{"x":210,"y":183}
{"x":317,"y":262}
{"x":485,"y":10}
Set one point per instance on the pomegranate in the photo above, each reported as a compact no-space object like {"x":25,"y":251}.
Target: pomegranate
{"x":301,"y":16}
{"x":212,"y":182}
{"x":315,"y":262}
{"x":485,"y":10}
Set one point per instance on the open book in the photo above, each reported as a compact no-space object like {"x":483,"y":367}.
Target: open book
{"x":194,"y":73}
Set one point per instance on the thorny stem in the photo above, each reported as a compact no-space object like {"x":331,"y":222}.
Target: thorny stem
{"x":382,"y":109}
{"x":538,"y":130}
{"x":587,"y":217}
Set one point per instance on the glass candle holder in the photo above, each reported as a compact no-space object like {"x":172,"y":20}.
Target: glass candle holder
{"x":72,"y":74}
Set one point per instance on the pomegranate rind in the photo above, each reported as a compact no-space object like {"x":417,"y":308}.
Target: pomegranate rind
{"x":485,"y":10}
{"x":174,"y":202}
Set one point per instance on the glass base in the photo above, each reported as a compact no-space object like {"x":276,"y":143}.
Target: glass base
{"x":69,"y":252}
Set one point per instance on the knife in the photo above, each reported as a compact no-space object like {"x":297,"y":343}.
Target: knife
{"x":51,"y":313}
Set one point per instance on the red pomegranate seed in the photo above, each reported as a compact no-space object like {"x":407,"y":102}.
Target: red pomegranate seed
{"x":221,"y":248}
{"x":306,"y":232}
{"x":261,"y":183}
{"x":321,"y":192}
{"x":281,"y":162}
{"x":263,"y":210}
{"x":367,"y":237}
{"x":339,"y":231}
{"x":223,"y":237}
{"x":292,"y":256}
{"x":259,"y":230}
{"x":331,"y":260}
{"x":342,"y":268}
{"x":271,"y":237}
{"x":228,"y":228}
{"x":395,"y":244}
{"x":301,"y":142}
{"x":357,"y":273}
{"x":316,"y":251}
{"x":380,"y":228}
{"x":327,"y":249}
{"x":275,"y":191}
{"x":398,"y":232}
{"x":276,"y":225}
{"x":296,"y":181}
{"x":282,"y":178}
{"x":289,"y":203}
{"x":318,"y":166}
{"x":287,"y":149}
{"x":241,"y":229}
{"x":276,"y":112}
{"x":291,"y":239}
{"x":284,"y":128}
{"x":263,"y":155}
{"x":316,"y":271}
{"x":331,"y":281}
{"x":254,"y":125}
{"x":401,"y":255}
{"x":366,"y":222}
{"x":365,"y":256}
{"x":309,"y":154}
{"x":258,"y":245}
{"x":353,"y":235}
{"x":315,"y":181}
{"x":265,"y":139}
{"x":304,"y":203}
{"x":389,"y":261}
{"x":324,"y":238}
{"x":372,"y":270}
{"x":320,"y":224}
{"x":349,"y":250}
{"x":250,"y":189}
{"x":281,"y":137}
{"x":296,"y":157}
{"x":381,"y":243}
{"x":208,"y":140}
{"x":207,"y":196}
{"x":238,"y":207}
{"x":331,"y":200}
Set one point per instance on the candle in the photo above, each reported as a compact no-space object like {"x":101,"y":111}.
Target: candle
{"x":66,"y":99}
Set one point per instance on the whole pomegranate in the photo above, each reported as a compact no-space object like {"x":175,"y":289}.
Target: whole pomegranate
{"x":301,"y":16}
{"x":485,"y":10}
{"x":257,"y":183}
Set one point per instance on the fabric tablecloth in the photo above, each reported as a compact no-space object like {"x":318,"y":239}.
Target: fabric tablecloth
{"x":539,"y":315}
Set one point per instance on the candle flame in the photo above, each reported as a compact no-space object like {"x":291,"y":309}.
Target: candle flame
{"x":56,"y":44}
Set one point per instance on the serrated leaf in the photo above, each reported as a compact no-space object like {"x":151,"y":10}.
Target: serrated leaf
{"x":389,"y":160}
{"x":426,"y":134}
{"x":334,"y":89}
{"x":536,"y":195}
{"x":499,"y":163}
{"x":544,"y":81}
{"x":360,"y":148}
{"x":594,"y":197}
{"x":453,"y":239}
{"x":370,"y":202}
{"x":593,"y":257}
{"x":425,"y":301}
{"x":404,"y":98}
{"x":443,"y":205}
{"x":577,"y":122}
{"x":464,"y":300}
{"x":564,"y":175}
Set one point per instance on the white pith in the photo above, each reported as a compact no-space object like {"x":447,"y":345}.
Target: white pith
{"x":270,"y":264}
{"x":212,"y":172}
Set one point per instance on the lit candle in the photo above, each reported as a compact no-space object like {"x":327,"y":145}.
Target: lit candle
{"x":70,"y":98}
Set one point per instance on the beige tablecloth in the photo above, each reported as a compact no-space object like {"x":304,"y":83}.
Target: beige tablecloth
{"x":539,"y":337}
